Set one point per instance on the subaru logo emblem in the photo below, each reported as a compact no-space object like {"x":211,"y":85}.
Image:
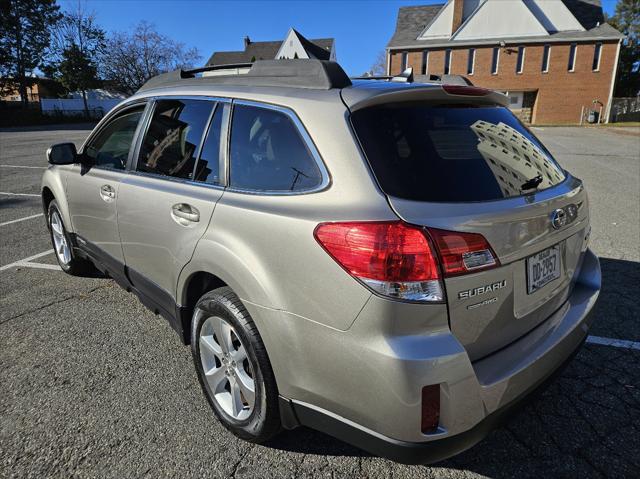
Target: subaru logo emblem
{"x":558,"y":218}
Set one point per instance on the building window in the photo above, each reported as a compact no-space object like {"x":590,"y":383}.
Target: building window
{"x":425,"y":62}
{"x":494,"y":61}
{"x":447,"y":61}
{"x":405,"y":56}
{"x":520,"y":60}
{"x":572,"y":57}
{"x":546,"y":53}
{"x":471,"y":61}
{"x":596,"y":57}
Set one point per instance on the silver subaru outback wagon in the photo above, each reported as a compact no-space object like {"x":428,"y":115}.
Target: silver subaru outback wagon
{"x":396,"y":264}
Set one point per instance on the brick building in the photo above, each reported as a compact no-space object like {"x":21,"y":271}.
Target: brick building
{"x":552,"y":57}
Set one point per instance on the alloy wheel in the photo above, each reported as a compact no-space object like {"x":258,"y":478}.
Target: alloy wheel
{"x":227,"y":369}
{"x":60,"y":243}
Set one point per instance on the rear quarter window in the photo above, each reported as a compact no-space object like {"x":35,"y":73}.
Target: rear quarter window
{"x":267,"y":153}
{"x":453,"y":154}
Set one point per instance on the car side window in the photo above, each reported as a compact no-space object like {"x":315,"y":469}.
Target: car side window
{"x":171,"y":142}
{"x":208,"y":167}
{"x":267,"y":152}
{"x":110,"y":147}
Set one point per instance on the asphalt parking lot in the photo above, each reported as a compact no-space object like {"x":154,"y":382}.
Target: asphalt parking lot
{"x":94,"y":385}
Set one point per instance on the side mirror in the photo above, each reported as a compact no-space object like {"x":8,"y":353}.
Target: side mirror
{"x":62,"y":154}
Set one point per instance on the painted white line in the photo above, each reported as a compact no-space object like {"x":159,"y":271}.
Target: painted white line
{"x":616,"y":343}
{"x":40,"y":266}
{"x":21,"y":262}
{"x":21,"y":219}
{"x":21,"y":166}
{"x":18,"y":194}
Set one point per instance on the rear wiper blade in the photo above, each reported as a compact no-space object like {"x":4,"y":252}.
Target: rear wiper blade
{"x":531,"y":183}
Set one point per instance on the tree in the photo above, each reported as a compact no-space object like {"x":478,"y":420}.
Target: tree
{"x":627,"y":20}
{"x":77,"y":72}
{"x":77,"y":43}
{"x":130,"y":59}
{"x":379,"y":67}
{"x":25,"y":34}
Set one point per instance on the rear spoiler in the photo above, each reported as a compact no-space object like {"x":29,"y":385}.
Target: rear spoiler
{"x":450,"y":94}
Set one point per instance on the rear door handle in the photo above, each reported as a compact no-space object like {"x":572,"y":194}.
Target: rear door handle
{"x":107,"y":193}
{"x":185,"y":214}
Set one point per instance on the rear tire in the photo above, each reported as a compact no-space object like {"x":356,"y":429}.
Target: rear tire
{"x":62,"y":245}
{"x":233,"y":367}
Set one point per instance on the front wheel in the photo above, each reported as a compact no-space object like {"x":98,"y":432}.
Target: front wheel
{"x":233,"y":366}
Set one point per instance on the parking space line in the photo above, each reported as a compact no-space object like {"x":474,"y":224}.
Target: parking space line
{"x":17,"y":194}
{"x":41,"y":266}
{"x":21,"y":219}
{"x":23,"y":166}
{"x":26,"y":262}
{"x":616,"y":343}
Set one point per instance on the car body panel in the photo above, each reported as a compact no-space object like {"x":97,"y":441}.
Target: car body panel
{"x":95,"y":218}
{"x":54,"y":179}
{"x":156,"y":244}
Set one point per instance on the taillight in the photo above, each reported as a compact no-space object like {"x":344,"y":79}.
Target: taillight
{"x":391,"y":257}
{"x":462,"y":253}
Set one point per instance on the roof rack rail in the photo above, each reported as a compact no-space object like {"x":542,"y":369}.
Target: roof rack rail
{"x":405,"y":76}
{"x":298,"y":73}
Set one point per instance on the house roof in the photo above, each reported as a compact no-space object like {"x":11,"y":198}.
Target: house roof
{"x":320,"y":48}
{"x":412,"y":21}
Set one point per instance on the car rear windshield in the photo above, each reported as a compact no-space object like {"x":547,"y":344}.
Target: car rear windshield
{"x":453,"y":153}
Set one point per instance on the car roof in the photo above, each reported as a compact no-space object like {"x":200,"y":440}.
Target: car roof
{"x":308,"y":79}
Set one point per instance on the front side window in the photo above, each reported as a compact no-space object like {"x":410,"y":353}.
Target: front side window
{"x":267,"y":152}
{"x":171,"y":142}
{"x":110,"y":148}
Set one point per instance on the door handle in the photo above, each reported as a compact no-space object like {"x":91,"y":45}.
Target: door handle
{"x":184,"y":214}
{"x":107,"y":193}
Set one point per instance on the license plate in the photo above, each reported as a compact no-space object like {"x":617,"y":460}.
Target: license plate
{"x":542,"y":268}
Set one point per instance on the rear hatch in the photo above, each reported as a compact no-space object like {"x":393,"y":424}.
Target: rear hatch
{"x":474,"y":168}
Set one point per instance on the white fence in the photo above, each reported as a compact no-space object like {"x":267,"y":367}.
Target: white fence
{"x":75,"y":106}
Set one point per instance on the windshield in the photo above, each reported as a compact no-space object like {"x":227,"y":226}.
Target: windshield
{"x":453,"y":153}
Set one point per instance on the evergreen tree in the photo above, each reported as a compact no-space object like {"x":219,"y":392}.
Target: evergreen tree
{"x":25,"y":35}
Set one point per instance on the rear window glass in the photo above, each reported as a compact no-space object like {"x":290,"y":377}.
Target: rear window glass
{"x":453,"y":154}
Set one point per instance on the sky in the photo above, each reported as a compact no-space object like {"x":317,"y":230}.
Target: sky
{"x":361,"y":28}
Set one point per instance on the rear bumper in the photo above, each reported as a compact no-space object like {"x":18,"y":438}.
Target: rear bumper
{"x":476,"y":397}
{"x":419,"y":452}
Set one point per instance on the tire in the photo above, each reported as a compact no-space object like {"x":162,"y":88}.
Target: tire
{"x":62,"y":245}
{"x":230,"y":365}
